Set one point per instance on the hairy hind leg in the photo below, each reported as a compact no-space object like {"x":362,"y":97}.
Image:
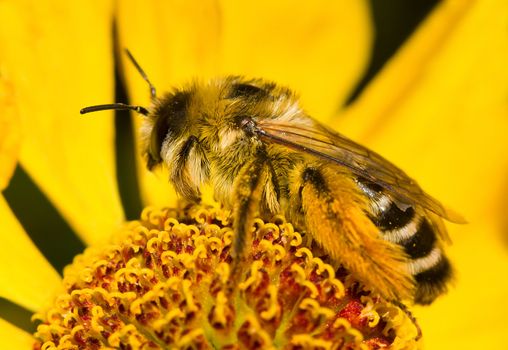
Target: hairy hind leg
{"x":332,"y":210}
{"x":255,"y":190}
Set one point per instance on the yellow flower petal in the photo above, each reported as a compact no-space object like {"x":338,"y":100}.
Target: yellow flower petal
{"x":318,"y":50}
{"x":46,"y":50}
{"x":9,"y":132}
{"x":14,"y":338}
{"x":27,"y":278}
{"x":443,"y":98}
{"x":440,"y":110}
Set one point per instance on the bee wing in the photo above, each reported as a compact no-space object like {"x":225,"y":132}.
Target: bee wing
{"x":329,"y":145}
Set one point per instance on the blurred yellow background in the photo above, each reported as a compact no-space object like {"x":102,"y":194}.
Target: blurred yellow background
{"x":423,"y":83}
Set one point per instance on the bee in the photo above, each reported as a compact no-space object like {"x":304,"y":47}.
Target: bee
{"x":263,"y":154}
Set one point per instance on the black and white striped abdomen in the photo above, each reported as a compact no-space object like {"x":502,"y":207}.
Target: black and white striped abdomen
{"x":416,"y":233}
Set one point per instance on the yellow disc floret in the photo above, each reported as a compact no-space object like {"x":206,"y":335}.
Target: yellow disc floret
{"x":165,"y":282}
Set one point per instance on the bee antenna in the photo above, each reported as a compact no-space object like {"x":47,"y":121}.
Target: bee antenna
{"x":115,"y":106}
{"x":142,"y":72}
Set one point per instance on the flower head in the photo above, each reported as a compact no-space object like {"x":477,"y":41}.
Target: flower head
{"x":167,"y":280}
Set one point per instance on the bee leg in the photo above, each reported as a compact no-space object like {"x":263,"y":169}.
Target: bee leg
{"x":248,"y":190}
{"x":333,"y":211}
{"x":410,"y":315}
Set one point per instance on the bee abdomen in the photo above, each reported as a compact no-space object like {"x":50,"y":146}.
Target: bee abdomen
{"x":433,"y":281}
{"x":429,"y":266}
{"x":417,"y":237}
{"x":416,"y":234}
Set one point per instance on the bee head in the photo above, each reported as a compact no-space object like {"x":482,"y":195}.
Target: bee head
{"x":167,"y":120}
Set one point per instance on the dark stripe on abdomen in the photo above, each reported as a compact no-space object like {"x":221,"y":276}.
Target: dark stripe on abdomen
{"x":432,"y":282}
{"x":438,"y":272}
{"x":385,"y":218}
{"x":393,"y":218}
{"x":421,"y":243}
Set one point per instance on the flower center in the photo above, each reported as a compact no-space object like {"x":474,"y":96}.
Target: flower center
{"x":166,"y":281}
